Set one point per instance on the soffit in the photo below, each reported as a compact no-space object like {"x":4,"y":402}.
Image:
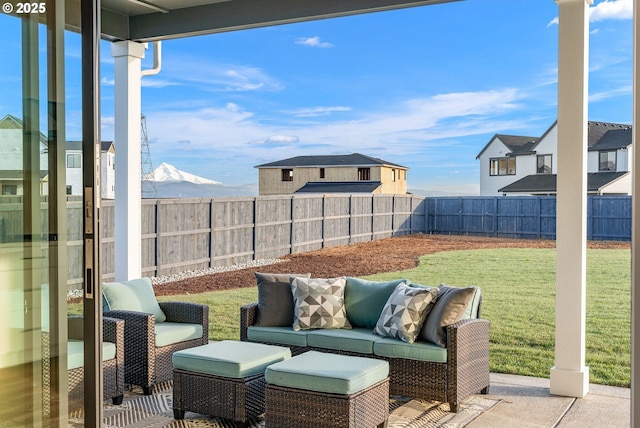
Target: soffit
{"x":149,"y":20}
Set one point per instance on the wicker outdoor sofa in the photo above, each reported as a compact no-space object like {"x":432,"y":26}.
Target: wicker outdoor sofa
{"x":450,"y":372}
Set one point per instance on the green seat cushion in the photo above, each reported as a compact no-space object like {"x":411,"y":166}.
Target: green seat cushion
{"x":283,"y":335}
{"x":75,"y":353}
{"x":355,"y":340}
{"x":229,"y":358}
{"x":329,"y":373}
{"x":364,"y":300}
{"x":135,"y":295}
{"x":168,"y":333}
{"x":421,"y":351}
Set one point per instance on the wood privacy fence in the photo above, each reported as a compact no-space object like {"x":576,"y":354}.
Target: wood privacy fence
{"x":193,"y":234}
{"x":608,"y":217}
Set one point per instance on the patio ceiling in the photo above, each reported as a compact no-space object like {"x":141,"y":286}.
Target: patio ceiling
{"x":149,"y":20}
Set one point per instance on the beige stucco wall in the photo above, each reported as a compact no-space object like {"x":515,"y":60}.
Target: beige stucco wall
{"x":270,"y":179}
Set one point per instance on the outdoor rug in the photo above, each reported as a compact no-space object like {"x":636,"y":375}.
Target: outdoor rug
{"x":156,"y":411}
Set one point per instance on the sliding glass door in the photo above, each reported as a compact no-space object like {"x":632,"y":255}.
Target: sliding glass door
{"x":42,"y":238}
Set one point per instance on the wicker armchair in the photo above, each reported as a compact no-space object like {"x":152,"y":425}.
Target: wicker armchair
{"x":112,"y":369}
{"x":145,"y":363}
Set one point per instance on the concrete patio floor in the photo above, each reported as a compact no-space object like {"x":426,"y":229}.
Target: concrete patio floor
{"x":526,"y":402}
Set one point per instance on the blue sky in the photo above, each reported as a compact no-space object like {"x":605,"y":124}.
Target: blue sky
{"x":423,"y":87}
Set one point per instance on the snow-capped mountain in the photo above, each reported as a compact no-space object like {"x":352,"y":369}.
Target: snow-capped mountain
{"x":166,"y":172}
{"x":167,"y":181}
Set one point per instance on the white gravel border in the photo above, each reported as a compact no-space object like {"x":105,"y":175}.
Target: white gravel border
{"x":217,"y":269}
{"x":156,"y":281}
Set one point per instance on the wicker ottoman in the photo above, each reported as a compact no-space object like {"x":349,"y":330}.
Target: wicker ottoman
{"x":322,"y":390}
{"x":223,"y":379}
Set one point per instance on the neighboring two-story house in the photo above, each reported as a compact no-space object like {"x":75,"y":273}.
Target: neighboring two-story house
{"x":353,"y":173}
{"x":518,"y":165}
{"x":107,"y":168}
{"x":11,"y":162}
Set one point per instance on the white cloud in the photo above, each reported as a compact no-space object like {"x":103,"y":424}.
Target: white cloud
{"x":107,"y":82}
{"x":615,"y":92}
{"x":611,"y":9}
{"x":157,"y":83}
{"x":607,"y":10}
{"x":282,"y":139}
{"x":218,"y":77}
{"x":317,"y":111}
{"x":407,"y":127}
{"x":313,"y":42}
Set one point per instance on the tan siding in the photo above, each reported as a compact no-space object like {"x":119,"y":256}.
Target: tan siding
{"x":270,"y":179}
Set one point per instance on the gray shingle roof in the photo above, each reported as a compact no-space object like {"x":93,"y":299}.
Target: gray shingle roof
{"x":547,"y":183}
{"x":339,"y":187}
{"x":354,"y":159}
{"x":518,"y":144}
{"x":601,"y":136}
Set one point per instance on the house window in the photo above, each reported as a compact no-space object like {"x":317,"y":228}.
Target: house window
{"x":9,"y":189}
{"x":69,"y":190}
{"x":364,"y":174}
{"x":287,"y":175}
{"x":74,"y":161}
{"x":321,"y":172}
{"x":393,"y":175}
{"x":502,"y":166}
{"x":544,"y":164}
{"x":607,"y":161}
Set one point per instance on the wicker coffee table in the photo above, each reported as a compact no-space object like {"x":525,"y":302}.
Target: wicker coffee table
{"x":323,"y":390}
{"x":223,"y":379}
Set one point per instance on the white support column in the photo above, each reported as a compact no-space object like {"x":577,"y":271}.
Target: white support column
{"x":570,"y":375}
{"x":128,"y":209}
{"x":635,"y":229}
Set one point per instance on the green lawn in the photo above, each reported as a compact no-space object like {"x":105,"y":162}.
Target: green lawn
{"x":518,"y":298}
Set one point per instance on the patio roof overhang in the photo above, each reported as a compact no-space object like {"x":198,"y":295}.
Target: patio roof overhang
{"x":150,"y":20}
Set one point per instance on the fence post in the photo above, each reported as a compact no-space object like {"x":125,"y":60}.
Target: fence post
{"x":157,"y":240}
{"x":292,"y":237}
{"x":211,"y":226}
{"x":324,"y":219}
{"x":255,"y":228}
{"x":393,"y":215}
{"x":350,"y":219}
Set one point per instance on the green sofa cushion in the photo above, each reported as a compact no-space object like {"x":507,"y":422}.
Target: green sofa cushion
{"x":356,"y":340}
{"x":168,"y":333}
{"x":135,"y":295}
{"x":421,"y":351}
{"x":283,"y":335}
{"x":329,"y":373}
{"x":229,"y":358}
{"x":75,"y":353}
{"x":364,"y":300}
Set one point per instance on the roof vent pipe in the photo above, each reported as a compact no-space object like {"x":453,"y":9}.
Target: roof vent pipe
{"x":157,"y":60}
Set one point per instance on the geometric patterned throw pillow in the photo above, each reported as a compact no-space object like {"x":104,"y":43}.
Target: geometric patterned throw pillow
{"x":405,"y":312}
{"x":319,"y":303}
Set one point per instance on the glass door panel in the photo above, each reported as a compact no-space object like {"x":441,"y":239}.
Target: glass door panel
{"x":34,"y":378}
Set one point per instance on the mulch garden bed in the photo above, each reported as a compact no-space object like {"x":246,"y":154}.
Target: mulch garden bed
{"x":383,"y":255}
